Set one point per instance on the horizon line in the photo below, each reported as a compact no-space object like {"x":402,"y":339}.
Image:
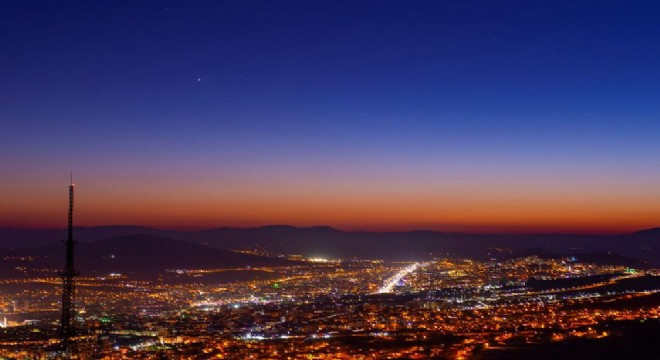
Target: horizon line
{"x":512,"y":231}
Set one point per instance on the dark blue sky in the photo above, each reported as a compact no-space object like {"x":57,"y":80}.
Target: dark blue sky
{"x":556,"y":97}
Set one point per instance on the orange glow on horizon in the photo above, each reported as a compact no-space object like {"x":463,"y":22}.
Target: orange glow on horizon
{"x":460,"y":204}
{"x":479,"y":210}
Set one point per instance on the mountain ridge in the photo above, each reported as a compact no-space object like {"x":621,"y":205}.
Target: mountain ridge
{"x":331,"y":242}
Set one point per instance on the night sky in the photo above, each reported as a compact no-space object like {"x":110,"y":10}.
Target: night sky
{"x":479,"y":116}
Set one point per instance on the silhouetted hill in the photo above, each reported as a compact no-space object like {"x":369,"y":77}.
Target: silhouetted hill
{"x":598,"y":258}
{"x":326,"y":241}
{"x":653,"y":232}
{"x":420,"y":244}
{"x":31,"y":238}
{"x":609,"y":258}
{"x":146,"y":254}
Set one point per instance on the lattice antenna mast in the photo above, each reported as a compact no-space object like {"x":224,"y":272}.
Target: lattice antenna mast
{"x":67,"y":323}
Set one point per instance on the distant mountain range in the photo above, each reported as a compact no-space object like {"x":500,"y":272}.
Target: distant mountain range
{"x":330,"y":242}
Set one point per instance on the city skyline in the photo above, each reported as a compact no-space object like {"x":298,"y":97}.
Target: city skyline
{"x":450,"y":116}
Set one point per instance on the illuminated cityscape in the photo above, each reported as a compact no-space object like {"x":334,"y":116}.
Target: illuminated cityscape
{"x":318,"y":308}
{"x":329,"y":180}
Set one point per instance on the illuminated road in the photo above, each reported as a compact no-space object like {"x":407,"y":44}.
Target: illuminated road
{"x":391,"y":282}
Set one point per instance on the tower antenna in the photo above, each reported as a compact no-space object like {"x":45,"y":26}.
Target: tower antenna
{"x":67,"y":323}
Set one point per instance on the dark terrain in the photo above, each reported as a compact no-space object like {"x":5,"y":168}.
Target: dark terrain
{"x":636,"y":250}
{"x":138,"y":255}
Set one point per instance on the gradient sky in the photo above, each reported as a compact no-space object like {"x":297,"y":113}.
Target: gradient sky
{"x":493,"y":116}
